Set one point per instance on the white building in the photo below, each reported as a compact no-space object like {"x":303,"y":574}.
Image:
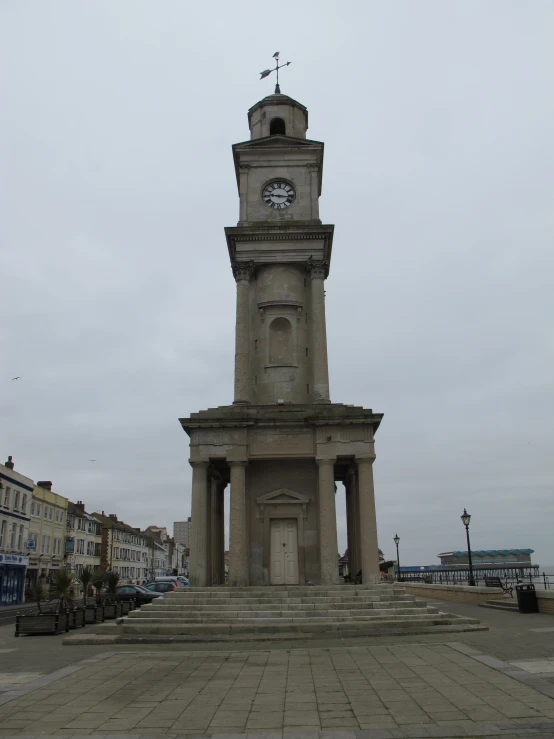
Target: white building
{"x":83,"y":546}
{"x":48,"y":531}
{"x":15,"y":495}
{"x":125,"y":550}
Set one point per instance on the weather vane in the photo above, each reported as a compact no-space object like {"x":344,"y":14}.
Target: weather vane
{"x":278,"y":66}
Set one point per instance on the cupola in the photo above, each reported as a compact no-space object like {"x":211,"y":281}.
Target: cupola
{"x":278,"y":115}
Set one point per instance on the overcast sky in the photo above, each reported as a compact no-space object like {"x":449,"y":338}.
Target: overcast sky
{"x":118,"y":300}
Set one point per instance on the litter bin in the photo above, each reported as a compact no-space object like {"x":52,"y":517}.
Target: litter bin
{"x":527,"y":598}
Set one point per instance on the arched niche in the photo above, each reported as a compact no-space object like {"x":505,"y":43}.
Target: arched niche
{"x":277,"y":126}
{"x":280,"y":341}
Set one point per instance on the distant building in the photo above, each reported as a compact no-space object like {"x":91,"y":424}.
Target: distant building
{"x":181,"y":532}
{"x":48,"y":531}
{"x":15,"y":496}
{"x":125,"y":550}
{"x":83,"y":544}
{"x":510,"y":557}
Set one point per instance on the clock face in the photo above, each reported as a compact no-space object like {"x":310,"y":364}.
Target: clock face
{"x":279,"y":195}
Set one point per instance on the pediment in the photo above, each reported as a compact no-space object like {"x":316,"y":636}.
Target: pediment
{"x":276,"y":140}
{"x":282,"y":496}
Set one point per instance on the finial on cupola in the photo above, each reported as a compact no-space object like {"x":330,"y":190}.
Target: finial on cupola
{"x":278,"y":66}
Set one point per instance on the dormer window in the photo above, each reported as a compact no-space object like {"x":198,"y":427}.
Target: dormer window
{"x":277,"y":127}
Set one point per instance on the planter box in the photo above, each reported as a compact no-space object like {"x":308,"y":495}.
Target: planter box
{"x":76,"y":618}
{"x":42,"y":623}
{"x":94,"y":614}
{"x":112,"y":610}
{"x":126,"y":607}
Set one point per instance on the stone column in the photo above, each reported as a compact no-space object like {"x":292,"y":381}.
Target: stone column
{"x":352,"y":521}
{"x":221,"y":534}
{"x":243,"y":272}
{"x":318,"y":272}
{"x":328,"y":547}
{"x":237,"y":526}
{"x":214,"y":530}
{"x":368,"y":522}
{"x":198,"y":565}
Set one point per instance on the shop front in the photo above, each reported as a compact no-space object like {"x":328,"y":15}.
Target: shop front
{"x":12,"y":578}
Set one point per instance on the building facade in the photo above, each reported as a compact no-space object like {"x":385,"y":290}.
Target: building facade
{"x":83,"y":544}
{"x":125,"y":550}
{"x":282,"y":444}
{"x":181,"y":532}
{"x":47,"y":530}
{"x":16,"y":492}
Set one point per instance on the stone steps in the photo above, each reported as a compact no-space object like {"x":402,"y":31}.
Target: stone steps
{"x":354,"y":610}
{"x":501,"y":605}
{"x":176,"y":605}
{"x":243,"y":614}
{"x":210,"y":616}
{"x":284,"y":626}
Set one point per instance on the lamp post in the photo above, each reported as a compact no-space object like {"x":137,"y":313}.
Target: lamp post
{"x":397,"y":541}
{"x":466,"y":518}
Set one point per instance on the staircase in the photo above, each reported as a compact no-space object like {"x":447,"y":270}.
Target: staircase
{"x":273,"y":613}
{"x":501,"y":605}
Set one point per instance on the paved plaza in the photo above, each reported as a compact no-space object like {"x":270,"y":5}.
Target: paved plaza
{"x":494,"y":683}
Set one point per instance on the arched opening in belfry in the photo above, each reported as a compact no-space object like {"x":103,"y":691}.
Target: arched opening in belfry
{"x":280,"y":341}
{"x":277,"y":126}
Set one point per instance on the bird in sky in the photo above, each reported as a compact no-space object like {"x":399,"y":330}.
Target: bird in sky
{"x":16,"y":378}
{"x":93,"y":460}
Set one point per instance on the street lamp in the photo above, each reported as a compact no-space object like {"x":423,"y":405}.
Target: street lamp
{"x":466,"y":518}
{"x":397,"y":541}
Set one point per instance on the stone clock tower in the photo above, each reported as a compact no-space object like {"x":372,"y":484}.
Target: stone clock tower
{"x":282,"y":444}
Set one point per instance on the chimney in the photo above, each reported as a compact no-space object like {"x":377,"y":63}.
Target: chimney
{"x":189,"y":518}
{"x":113,"y":516}
{"x":9,"y":463}
{"x":80,"y":506}
{"x":46,"y":484}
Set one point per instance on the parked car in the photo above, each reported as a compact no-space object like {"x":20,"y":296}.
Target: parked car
{"x":183,"y":580}
{"x":169,"y":578}
{"x":137,"y":592}
{"x":161,"y":587}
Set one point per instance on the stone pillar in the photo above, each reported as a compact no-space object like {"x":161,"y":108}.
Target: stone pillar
{"x":328,"y":547}
{"x":198,"y":566}
{"x":221,"y":534}
{"x":368,"y":522}
{"x":352,"y":521}
{"x":243,"y":272}
{"x":214,"y":530}
{"x":318,"y":272}
{"x":237,"y":526}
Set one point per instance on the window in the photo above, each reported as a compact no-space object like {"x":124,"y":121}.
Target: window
{"x":81,"y":524}
{"x":61,"y":516}
{"x":277,"y":126}
{"x":16,"y":500}
{"x":7,"y":497}
{"x":90,"y":548}
{"x":32,"y":508}
{"x":24,"y":503}
{"x":2,"y":533}
{"x":20,"y":539}
{"x":12,"y":536}
{"x":80,"y":546}
{"x":38,"y":509}
{"x":45,"y":512}
{"x":116,"y":552}
{"x":43,"y":544}
{"x":50,"y":513}
{"x":280,"y":342}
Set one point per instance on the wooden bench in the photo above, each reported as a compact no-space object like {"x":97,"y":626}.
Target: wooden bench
{"x":496,"y":582}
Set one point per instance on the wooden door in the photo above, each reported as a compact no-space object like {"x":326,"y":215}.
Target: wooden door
{"x":284,"y":551}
